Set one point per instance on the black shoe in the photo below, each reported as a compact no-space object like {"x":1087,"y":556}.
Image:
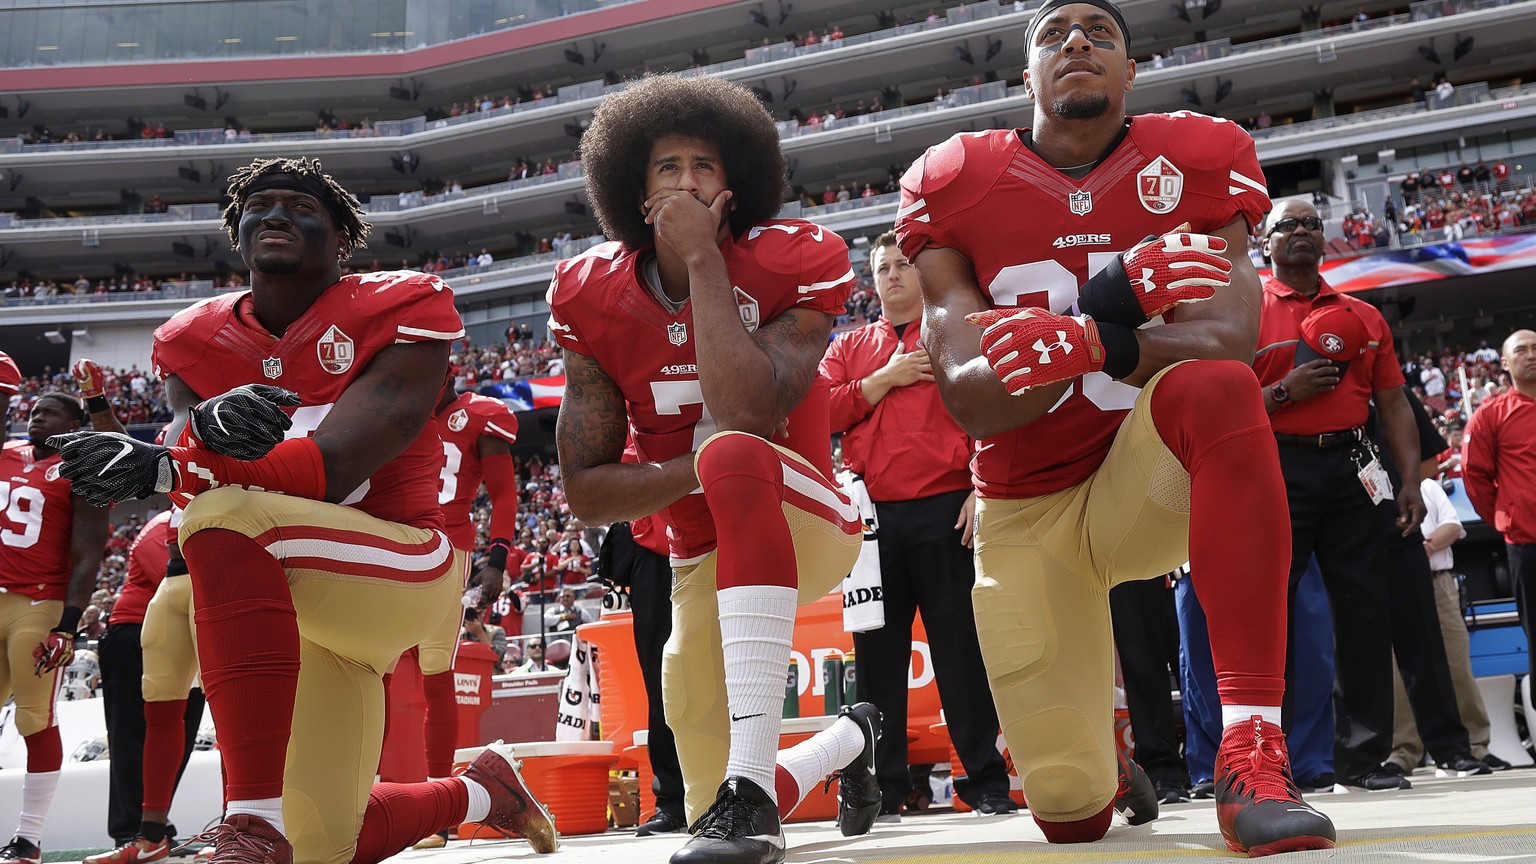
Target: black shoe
{"x":995,"y":804}
{"x":858,"y":790}
{"x":1137,"y":797}
{"x":1379,"y":779}
{"x":1494,"y":763}
{"x":1171,"y":792}
{"x":666,"y":821}
{"x":1204,"y":790}
{"x":1394,"y":769}
{"x":1462,"y":766}
{"x":20,"y":851}
{"x":741,"y":827}
{"x":1320,"y":783}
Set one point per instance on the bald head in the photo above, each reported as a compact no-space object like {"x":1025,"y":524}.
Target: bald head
{"x":1519,"y":358}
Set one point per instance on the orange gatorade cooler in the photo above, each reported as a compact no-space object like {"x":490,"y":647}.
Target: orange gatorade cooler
{"x":568,"y":777}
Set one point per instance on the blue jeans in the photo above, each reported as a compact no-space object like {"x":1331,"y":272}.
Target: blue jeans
{"x":1310,"y":738}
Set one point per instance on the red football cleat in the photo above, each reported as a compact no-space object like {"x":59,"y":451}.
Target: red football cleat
{"x":246,"y":839}
{"x":514,"y":810}
{"x":1258,"y":806}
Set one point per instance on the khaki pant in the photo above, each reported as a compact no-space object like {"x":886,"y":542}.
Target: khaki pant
{"x":1407,"y":748}
{"x":169,"y":641}
{"x":24,"y":624}
{"x":365,"y":590}
{"x":1044,"y":567}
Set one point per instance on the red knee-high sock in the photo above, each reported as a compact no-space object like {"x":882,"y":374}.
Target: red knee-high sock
{"x":1080,"y":831}
{"x":788,"y":791}
{"x":248,"y":648}
{"x":743,"y":482}
{"x":442,"y":722}
{"x":1210,"y":414}
{"x":45,"y":751}
{"x":165,"y":733}
{"x":399,"y":814}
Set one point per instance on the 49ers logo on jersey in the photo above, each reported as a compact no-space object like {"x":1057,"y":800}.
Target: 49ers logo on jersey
{"x":335,"y":350}
{"x":52,"y":473}
{"x":458,"y":420}
{"x":1160,"y":186}
{"x":751,"y":315}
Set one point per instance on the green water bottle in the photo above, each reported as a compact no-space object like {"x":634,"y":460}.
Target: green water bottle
{"x":832,"y":684}
{"x":792,"y":690}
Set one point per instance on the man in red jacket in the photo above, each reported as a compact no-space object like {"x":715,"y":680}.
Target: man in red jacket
{"x":1499,"y":467}
{"x":914,"y":460}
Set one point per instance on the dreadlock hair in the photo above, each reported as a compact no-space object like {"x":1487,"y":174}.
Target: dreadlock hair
{"x":70,"y":403}
{"x":345,"y":210}
{"x":616,"y":150}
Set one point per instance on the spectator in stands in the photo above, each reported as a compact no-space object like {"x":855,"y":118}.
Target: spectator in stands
{"x":1444,"y":91}
{"x":1416,"y":90}
{"x":1499,"y":466}
{"x":562,"y":619}
{"x":573,"y":565}
{"x":534,"y":657}
{"x":476,"y":630}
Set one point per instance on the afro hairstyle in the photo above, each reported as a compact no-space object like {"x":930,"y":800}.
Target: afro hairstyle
{"x":616,"y":150}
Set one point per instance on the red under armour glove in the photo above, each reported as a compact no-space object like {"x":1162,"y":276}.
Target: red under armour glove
{"x":1030,"y":348}
{"x":1154,"y":276}
{"x":88,"y":377}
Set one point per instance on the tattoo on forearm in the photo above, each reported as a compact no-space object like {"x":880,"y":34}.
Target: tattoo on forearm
{"x":795,"y":353}
{"x":593,"y":422}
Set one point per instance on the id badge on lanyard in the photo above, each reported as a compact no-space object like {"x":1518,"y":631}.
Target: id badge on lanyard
{"x":1372,"y":475}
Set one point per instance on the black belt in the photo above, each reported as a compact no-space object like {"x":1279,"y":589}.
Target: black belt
{"x":1322,"y":440}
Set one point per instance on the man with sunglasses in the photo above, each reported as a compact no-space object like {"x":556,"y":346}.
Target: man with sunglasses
{"x":1323,"y":358}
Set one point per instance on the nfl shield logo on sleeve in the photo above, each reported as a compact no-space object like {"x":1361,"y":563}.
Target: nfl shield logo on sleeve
{"x":272,"y":367}
{"x":1160,"y":186}
{"x":677,"y":333}
{"x":1080,"y":201}
{"x":335,"y":350}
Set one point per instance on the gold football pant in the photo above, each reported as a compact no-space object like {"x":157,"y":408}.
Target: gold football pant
{"x":1044,"y":567}
{"x":24,"y":624}
{"x":361,"y":587}
{"x":693,"y":665}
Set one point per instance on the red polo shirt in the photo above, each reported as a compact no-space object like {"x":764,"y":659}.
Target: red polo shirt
{"x":147,"y":558}
{"x":1498,"y":464}
{"x":907,"y":446}
{"x":1347,"y":405}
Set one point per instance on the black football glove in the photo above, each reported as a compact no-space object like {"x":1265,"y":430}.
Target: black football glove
{"x":245,"y":423}
{"x":107,"y":467}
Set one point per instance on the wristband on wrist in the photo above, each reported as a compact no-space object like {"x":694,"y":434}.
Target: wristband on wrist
{"x":498,"y":554}
{"x":69,"y":622}
{"x":97,"y":404}
{"x":1122,"y":352}
{"x":1109,"y":298}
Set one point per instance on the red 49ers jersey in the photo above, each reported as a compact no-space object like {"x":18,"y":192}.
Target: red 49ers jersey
{"x":147,"y":558}
{"x":10,"y":376}
{"x":1035,"y":235}
{"x":213,"y":349}
{"x":37,"y":518}
{"x":460,"y":425}
{"x":600,"y":307}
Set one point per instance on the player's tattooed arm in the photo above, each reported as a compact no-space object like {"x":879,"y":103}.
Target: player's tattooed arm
{"x":182,"y":400}
{"x":380,"y":414}
{"x":1225,"y":327}
{"x":87,"y":546}
{"x":970,"y":389}
{"x":795,"y":342}
{"x":590,"y":433}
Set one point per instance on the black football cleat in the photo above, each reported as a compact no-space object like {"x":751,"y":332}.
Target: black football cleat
{"x":741,"y":827}
{"x":858,"y":790}
{"x":1136,"y":798}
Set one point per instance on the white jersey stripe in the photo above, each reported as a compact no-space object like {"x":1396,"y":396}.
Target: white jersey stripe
{"x":830,"y":283}
{"x":1247,"y":181}
{"x":429,"y":334}
{"x":916,"y":205}
{"x":510,"y":436}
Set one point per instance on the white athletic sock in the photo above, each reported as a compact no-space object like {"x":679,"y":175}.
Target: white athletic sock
{"x":757,"y":623}
{"x":810,"y":761}
{"x":1243,"y":713}
{"x":37,"y":788}
{"x":479,"y":801}
{"x":270,"y":809}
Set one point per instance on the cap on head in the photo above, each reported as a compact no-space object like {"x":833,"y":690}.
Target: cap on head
{"x":1334,"y":332}
{"x":1052,"y":5}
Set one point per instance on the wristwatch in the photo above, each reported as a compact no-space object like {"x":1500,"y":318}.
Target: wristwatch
{"x":1278,"y":393}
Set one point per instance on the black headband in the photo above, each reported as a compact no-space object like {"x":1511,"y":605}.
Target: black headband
{"x":306,"y":183}
{"x":1052,"y":5}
